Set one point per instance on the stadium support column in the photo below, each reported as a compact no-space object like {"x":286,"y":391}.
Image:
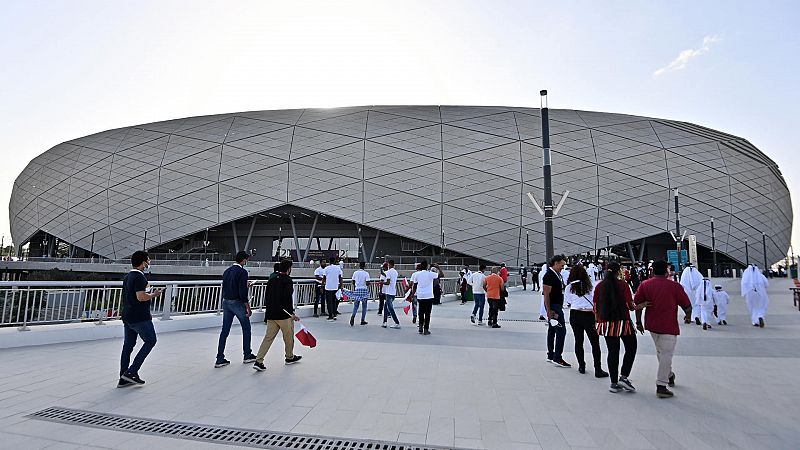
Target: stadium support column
{"x":548,"y":182}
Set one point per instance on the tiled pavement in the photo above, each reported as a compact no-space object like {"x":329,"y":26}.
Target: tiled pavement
{"x":463,"y":386}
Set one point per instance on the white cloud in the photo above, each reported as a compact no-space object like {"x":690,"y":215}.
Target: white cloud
{"x":686,"y":55}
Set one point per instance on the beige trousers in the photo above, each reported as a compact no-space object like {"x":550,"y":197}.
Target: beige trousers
{"x":273,"y":326}
{"x":665,"y":348}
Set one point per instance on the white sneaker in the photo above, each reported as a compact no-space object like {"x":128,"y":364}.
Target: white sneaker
{"x":384,"y":325}
{"x":480,"y":322}
{"x":396,"y":326}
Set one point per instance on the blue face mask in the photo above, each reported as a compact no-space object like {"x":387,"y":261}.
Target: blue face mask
{"x":146,"y":269}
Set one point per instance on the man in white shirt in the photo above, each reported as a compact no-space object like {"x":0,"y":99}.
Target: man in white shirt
{"x":319,"y":291}
{"x":332,"y":281}
{"x":360,"y":294}
{"x":390,"y":291}
{"x":478,"y":293}
{"x":692,"y":281}
{"x":423,"y":288}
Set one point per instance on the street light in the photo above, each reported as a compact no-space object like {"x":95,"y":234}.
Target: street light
{"x":547,"y":171}
{"x":714,"y":271}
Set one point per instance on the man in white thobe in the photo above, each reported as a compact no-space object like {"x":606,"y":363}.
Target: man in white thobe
{"x":542,"y":309}
{"x":705,"y":298}
{"x":754,"y":291}
{"x":691,"y":280}
{"x":721,"y":299}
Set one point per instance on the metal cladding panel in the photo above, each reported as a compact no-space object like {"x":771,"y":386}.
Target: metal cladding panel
{"x":458,"y":173}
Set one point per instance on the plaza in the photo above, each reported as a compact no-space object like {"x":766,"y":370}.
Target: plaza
{"x":464,"y":386}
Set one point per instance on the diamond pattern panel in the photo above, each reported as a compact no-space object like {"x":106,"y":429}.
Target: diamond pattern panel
{"x":352,"y":124}
{"x":423,"y":141}
{"x":461,"y":141}
{"x":381,"y":124}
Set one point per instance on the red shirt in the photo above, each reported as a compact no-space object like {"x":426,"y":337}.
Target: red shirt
{"x":664,"y":296}
{"x":504,"y":274}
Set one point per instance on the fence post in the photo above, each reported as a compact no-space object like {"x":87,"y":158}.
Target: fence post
{"x":219,"y":307}
{"x":24,"y":326}
{"x":100,"y":313}
{"x":167,"y":302}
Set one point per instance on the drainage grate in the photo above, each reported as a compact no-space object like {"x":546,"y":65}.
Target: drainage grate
{"x":216,"y":434}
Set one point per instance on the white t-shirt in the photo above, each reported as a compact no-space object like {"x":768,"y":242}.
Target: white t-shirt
{"x":319,"y":272}
{"x":476,"y":281}
{"x":360,"y":277}
{"x":391,"y":288}
{"x":578,"y":302}
{"x":424,"y":280}
{"x":332,"y":274}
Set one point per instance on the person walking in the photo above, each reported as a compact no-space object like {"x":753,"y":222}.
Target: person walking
{"x":319,"y":298}
{"x":437,"y":284}
{"x":504,"y":274}
{"x":706,"y":302}
{"x":662,"y":297}
{"x":553,"y":295}
{"x":754,"y":290}
{"x":477,"y":281}
{"x":534,"y":278}
{"x":692,"y":281}
{"x":390,"y":291}
{"x":494,"y":287}
{"x":612,"y":306}
{"x":332,"y":281}
{"x":279,"y":311}
{"x":579,"y":295}
{"x":422,"y":288}
{"x":235,"y":303}
{"x":523,"y":275}
{"x":722,"y":300}
{"x":136,"y":319}
{"x":360,"y":294}
{"x":382,"y":290}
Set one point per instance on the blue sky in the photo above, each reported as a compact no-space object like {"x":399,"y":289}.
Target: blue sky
{"x":72,"y":68}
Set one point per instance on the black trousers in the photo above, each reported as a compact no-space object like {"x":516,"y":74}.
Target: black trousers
{"x":319,"y":299}
{"x":535,"y":283}
{"x":584,"y":322}
{"x":333,"y":303}
{"x":494,"y":309}
{"x":425,"y":307}
{"x":381,"y":300}
{"x":612,"y":343}
{"x":524,"y":283}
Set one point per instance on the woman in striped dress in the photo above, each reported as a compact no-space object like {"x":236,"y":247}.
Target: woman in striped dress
{"x":612,"y":306}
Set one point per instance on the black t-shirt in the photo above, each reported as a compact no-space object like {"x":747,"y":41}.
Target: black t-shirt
{"x":132,"y":309}
{"x":557,"y":288}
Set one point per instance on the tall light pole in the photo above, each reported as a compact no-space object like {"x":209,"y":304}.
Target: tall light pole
{"x":746,"y":252}
{"x":527,"y":250}
{"x":764,"y":243}
{"x":144,"y":241}
{"x":678,"y":233}
{"x":548,"y":182}
{"x":91,"y":249}
{"x":713,"y":250}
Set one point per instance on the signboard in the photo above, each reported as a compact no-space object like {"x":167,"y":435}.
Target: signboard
{"x":672,"y":258}
{"x":314,"y":255}
{"x":692,"y":249}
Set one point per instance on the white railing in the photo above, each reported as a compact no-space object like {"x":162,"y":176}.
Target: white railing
{"x":25,"y":303}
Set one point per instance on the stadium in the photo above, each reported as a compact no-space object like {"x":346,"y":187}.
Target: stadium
{"x":443,"y":182}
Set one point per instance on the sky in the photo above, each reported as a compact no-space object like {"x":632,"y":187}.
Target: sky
{"x":73,"y":68}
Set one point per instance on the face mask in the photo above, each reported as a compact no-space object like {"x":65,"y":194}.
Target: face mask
{"x":146,"y":269}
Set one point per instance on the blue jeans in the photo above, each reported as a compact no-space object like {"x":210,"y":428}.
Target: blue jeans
{"x":231,"y":308}
{"x":556,"y":335}
{"x":414,"y":306}
{"x":147,"y":332}
{"x":388,"y":308}
{"x":480,"y":301}
{"x":363,"y":304}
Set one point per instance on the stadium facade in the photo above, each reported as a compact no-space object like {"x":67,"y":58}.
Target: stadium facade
{"x":403,"y":180}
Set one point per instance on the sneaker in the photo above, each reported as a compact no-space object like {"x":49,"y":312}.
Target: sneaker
{"x":705,"y":326}
{"x":293,"y":359}
{"x":396,"y":326}
{"x":663,"y":392}
{"x":352,"y":320}
{"x":480,"y":322}
{"x":364,"y":322}
{"x":697,"y":320}
{"x":426,"y":333}
{"x":260,"y":367}
{"x":124,"y":383}
{"x":249,"y":359}
{"x":561,"y":363}
{"x":132,"y":378}
{"x":383,"y":325}
{"x":581,"y":368}
{"x":724,"y":322}
{"x":671,"y":379}
{"x":495,"y":325}
{"x":420,"y":331}
{"x":614,"y":388}
{"x":316,"y":315}
{"x":330,"y":318}
{"x":542,"y":318}
{"x":414,"y":320}
{"x":222,"y":363}
{"x":472,"y":318}
{"x":626,"y":384}
{"x":761,"y":322}
{"x":550,"y":360}
{"x":719,"y":323}
{"x":600,"y":373}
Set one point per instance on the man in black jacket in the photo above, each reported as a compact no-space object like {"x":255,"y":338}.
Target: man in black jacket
{"x":280,"y":316}
{"x":235,"y":302}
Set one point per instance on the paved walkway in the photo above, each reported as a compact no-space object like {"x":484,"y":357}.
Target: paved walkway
{"x":463,"y":386}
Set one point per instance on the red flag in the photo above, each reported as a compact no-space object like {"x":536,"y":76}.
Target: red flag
{"x":305,"y":337}
{"x":406,"y":309}
{"x":405,"y":282}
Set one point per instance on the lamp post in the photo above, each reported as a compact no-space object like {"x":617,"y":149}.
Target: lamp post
{"x":764,"y":244}
{"x":679,"y":244}
{"x":527,"y":250}
{"x":144,"y":241}
{"x":713,"y":251}
{"x":746,"y":252}
{"x":548,"y":182}
{"x":91,"y":249}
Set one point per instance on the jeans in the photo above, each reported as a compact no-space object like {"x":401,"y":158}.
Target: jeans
{"x":363,"y":304}
{"x":286,"y":326}
{"x":584,"y":322}
{"x":612,"y":343}
{"x":231,"y":308}
{"x":319,"y":298}
{"x":556,"y":335}
{"x":425,"y":307}
{"x":480,"y":301}
{"x":333,"y":303}
{"x":414,"y":306}
{"x":388,"y":308}
{"x":494,"y":309}
{"x":147,"y":332}
{"x":665,"y":348}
